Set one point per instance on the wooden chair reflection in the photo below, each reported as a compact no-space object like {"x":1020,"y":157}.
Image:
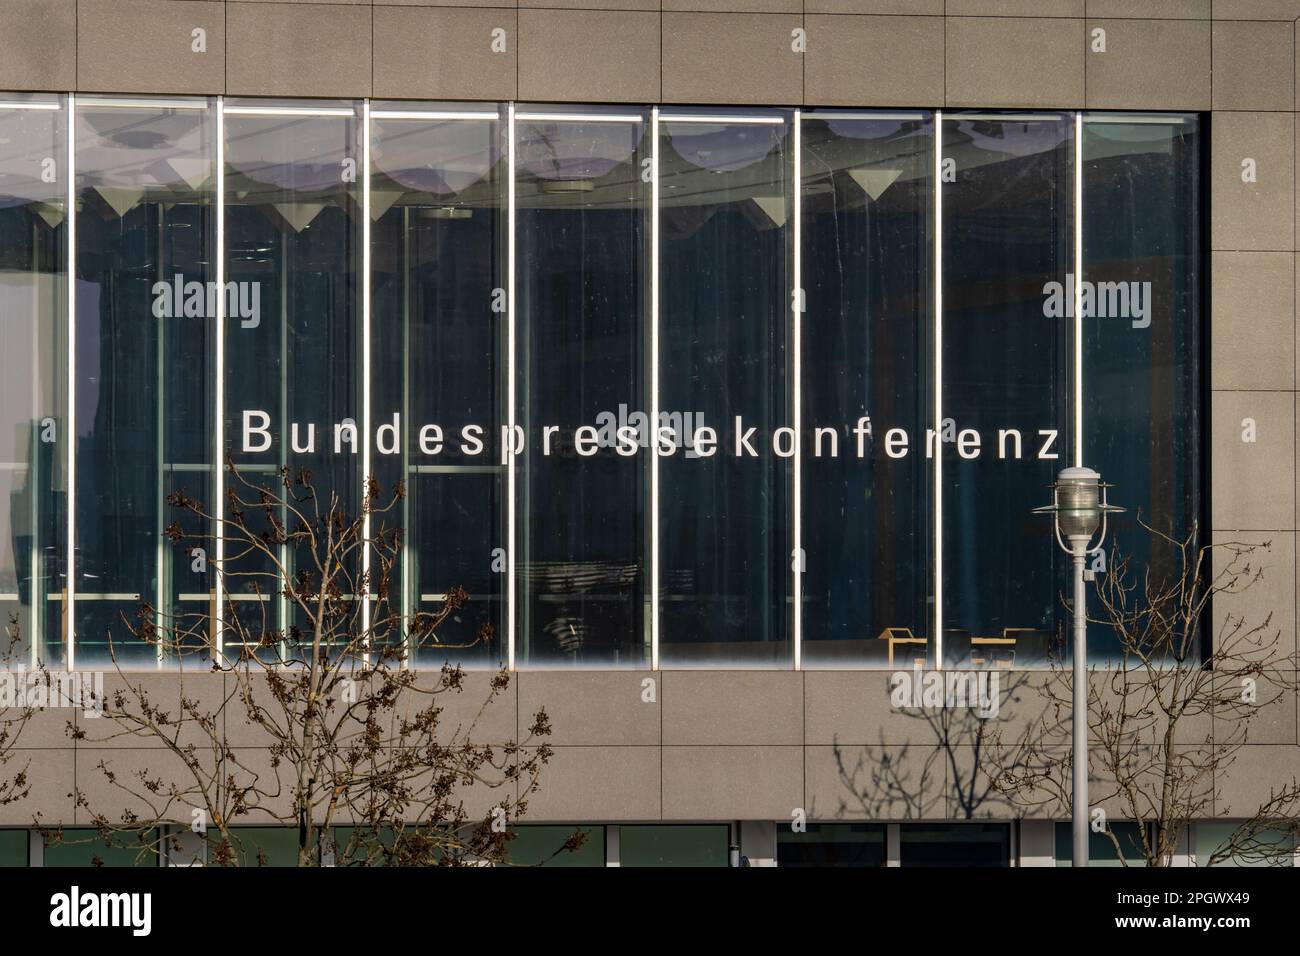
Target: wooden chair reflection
{"x":916,"y":646}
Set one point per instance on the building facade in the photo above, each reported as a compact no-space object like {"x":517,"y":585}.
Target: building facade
{"x":723,"y":348}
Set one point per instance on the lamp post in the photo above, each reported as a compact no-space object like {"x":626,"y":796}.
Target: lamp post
{"x":1079,"y":505}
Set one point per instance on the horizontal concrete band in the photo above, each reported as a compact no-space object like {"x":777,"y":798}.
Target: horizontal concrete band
{"x":1162,"y":54}
{"x":709,"y":745}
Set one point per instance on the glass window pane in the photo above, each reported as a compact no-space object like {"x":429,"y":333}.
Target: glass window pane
{"x":832,"y":844}
{"x":145,"y":360}
{"x":293,"y":346}
{"x":1269,"y":848}
{"x":955,"y":844}
{"x":1102,"y":850}
{"x":542,"y":846}
{"x":438,"y":242}
{"x":1007,"y":378}
{"x":582,"y":224}
{"x":1142,"y":322}
{"x":697,"y":845}
{"x":13,"y":848}
{"x":725,"y":250}
{"x":84,"y":847}
{"x":264,"y":846}
{"x":866,"y":356}
{"x":33,"y":376}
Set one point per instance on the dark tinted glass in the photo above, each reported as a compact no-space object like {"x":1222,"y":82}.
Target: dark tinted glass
{"x":582,"y":272}
{"x":1007,"y":372}
{"x":144,"y":361}
{"x":33,"y":376}
{"x":866,"y":509}
{"x":438,"y":331}
{"x":724,"y":353}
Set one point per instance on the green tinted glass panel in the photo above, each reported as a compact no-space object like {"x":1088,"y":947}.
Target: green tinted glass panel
{"x":13,"y":847}
{"x":1101,"y":848}
{"x":84,"y":847}
{"x":266,"y":846}
{"x":673,"y":846}
{"x":1268,"y":849}
{"x":541,"y":846}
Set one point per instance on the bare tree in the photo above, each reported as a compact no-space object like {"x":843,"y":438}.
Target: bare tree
{"x":16,"y":713}
{"x":348,"y":733}
{"x":1170,"y":715}
{"x":946,"y":769}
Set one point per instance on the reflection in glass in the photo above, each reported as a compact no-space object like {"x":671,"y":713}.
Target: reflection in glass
{"x":438,"y":206}
{"x":1142,"y":338}
{"x":724,"y":292}
{"x":866,"y":213}
{"x":33,"y":375}
{"x":293,"y":347}
{"x":144,"y":360}
{"x":582,"y":232}
{"x":955,"y":844}
{"x":1007,"y":379}
{"x":832,"y":844}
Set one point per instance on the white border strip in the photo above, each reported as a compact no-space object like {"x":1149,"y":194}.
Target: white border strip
{"x":219,"y":422}
{"x":509,"y":455}
{"x":365,"y":372}
{"x":145,"y":102}
{"x":1078,"y":289}
{"x":721,"y":120}
{"x":433,"y":115}
{"x":287,"y":111}
{"x":28,"y":105}
{"x":579,"y":118}
{"x":938,"y":389}
{"x":70,"y":568}
{"x":860,"y":115}
{"x":1137,"y":119}
{"x":1010,"y":116}
{"x":654,"y":389}
{"x":796,"y":310}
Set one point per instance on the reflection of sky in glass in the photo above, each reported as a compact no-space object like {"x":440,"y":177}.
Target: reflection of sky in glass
{"x":724,"y":147}
{"x":575,"y":150}
{"x":294,"y":153}
{"x":27,"y":138}
{"x":442,"y":158}
{"x":1012,"y":138}
{"x":864,"y":129}
{"x":140,"y":149}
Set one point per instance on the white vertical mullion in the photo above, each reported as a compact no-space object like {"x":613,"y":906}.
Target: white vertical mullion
{"x":219,"y":421}
{"x":938,"y":389}
{"x":509,"y":456}
{"x":796,"y":309}
{"x":70,"y":571}
{"x":654,"y":388}
{"x":40,"y":597}
{"x":1078,"y":289}
{"x":162,"y":579}
{"x":365,"y":371}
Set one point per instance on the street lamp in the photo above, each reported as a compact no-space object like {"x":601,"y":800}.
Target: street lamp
{"x":1079,"y":505}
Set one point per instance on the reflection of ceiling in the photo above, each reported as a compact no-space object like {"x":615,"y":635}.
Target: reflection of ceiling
{"x":442,"y":158}
{"x":296,"y":165}
{"x":274,"y":159}
{"x":145,"y":149}
{"x":574,"y":150}
{"x":27,"y":139}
